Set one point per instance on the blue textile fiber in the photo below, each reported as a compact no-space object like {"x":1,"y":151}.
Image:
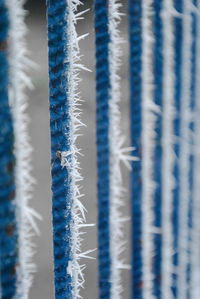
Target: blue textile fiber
{"x":178,"y":33}
{"x":8,"y":227}
{"x":102,"y":131}
{"x":158,"y":92}
{"x":60,"y":142}
{"x":192,"y":107}
{"x":135,"y":32}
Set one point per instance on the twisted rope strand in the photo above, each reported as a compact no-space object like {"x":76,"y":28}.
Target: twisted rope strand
{"x":68,"y":210}
{"x":60,"y":142}
{"x":148,"y":147}
{"x":158,"y":152}
{"x":8,"y":226}
{"x":195,"y":234}
{"x":19,"y":62}
{"x":135,"y":37}
{"x":103,"y":147}
{"x":168,"y":148}
{"x":184,"y":153}
{"x":178,"y":40}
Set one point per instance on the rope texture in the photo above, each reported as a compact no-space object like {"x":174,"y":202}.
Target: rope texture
{"x":60,"y":142}
{"x":102,"y":124}
{"x":191,"y":167}
{"x":158,"y":97}
{"x":8,"y":228}
{"x":178,"y":31}
{"x":135,"y":15}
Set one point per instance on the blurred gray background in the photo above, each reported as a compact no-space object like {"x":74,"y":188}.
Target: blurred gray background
{"x":39,"y":129}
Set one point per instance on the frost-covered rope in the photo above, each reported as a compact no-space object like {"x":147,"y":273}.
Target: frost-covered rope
{"x":158,"y":152}
{"x":68,"y":211}
{"x":178,"y":40}
{"x":103,"y":146}
{"x":8,"y":227}
{"x":118,"y":154}
{"x":147,"y":148}
{"x":168,"y":148}
{"x":183,"y":244}
{"x":135,"y":37}
{"x":193,"y":82}
{"x":18,"y":64}
{"x":195,"y":233}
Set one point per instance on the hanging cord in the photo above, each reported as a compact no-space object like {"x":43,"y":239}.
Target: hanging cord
{"x":135,"y":37}
{"x":8,"y":227}
{"x":103,"y":147}
{"x":68,"y":211}
{"x":158,"y":152}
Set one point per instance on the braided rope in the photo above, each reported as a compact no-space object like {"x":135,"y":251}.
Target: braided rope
{"x":102,"y":123}
{"x":168,"y":148}
{"x":195,"y":234}
{"x":19,"y":80}
{"x":135,"y":15}
{"x":192,"y":142}
{"x":149,"y":108}
{"x":178,"y":33}
{"x":158,"y":155}
{"x":68,"y":211}
{"x":183,"y":244}
{"x":8,"y":228}
{"x":60,"y":142}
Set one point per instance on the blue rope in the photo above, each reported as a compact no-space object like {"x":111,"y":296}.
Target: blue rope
{"x":158,"y":82}
{"x":60,"y":141}
{"x":192,"y":107}
{"x":102,"y":123}
{"x":178,"y":32}
{"x":135,"y":31}
{"x":8,"y":229}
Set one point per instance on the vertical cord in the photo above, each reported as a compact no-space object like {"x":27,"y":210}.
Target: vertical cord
{"x":117,"y":243}
{"x":68,"y":210}
{"x":60,"y":142}
{"x":192,"y":142}
{"x":195,"y":233}
{"x":168,"y":156}
{"x":19,"y":81}
{"x":149,"y":108}
{"x":158,"y":98}
{"x":135,"y":37}
{"x":178,"y":32}
{"x":102,"y":123}
{"x":8,"y":228}
{"x":185,"y":115}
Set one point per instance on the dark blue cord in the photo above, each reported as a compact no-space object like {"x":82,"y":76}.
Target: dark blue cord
{"x":60,"y":142}
{"x":158,"y":98}
{"x":192,"y":107}
{"x":178,"y":45}
{"x":8,"y":227}
{"x":135,"y":32}
{"x":102,"y":123}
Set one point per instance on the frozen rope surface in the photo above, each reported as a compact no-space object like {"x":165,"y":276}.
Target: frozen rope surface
{"x":158,"y":151}
{"x":148,"y":147}
{"x":103,"y":146}
{"x":183,"y":243}
{"x":68,"y":211}
{"x":168,"y":179}
{"x":19,"y":63}
{"x":75,"y":268}
{"x":178,"y":60}
{"x":8,"y":226}
{"x":135,"y":37}
{"x":118,"y":154}
{"x":195,"y":233}
{"x":193,"y":81}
